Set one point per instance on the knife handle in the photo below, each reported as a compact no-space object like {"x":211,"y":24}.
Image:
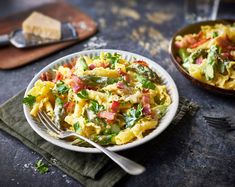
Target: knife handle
{"x":4,"y":40}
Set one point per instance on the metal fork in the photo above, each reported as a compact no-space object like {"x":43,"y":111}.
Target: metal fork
{"x":129,"y":166}
{"x":220,"y":123}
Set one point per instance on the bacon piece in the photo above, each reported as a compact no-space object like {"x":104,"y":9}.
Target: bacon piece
{"x":146,"y":99}
{"x":141,"y":62}
{"x":91,"y":66}
{"x":147,"y":110}
{"x":145,"y":90}
{"x":76,"y":79}
{"x":104,"y":65}
{"x":127,"y":78}
{"x":202,"y":41}
{"x":58,"y":77}
{"x":191,"y":40}
{"x":120,"y":72}
{"x":199,"y":60}
{"x":69,"y":106}
{"x":46,"y":76}
{"x":107,"y":115}
{"x":67,"y":65}
{"x":76,"y":84}
{"x":146,"y":104}
{"x":226,"y":44}
{"x":120,"y":85}
{"x":227,"y":55}
{"x":115,"y":106}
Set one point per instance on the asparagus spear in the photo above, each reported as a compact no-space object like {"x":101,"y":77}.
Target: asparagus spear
{"x":96,"y":80}
{"x":146,"y":72}
{"x":58,"y":111}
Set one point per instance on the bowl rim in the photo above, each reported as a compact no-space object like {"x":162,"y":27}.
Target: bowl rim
{"x":206,"y":86}
{"x":167,"y":119}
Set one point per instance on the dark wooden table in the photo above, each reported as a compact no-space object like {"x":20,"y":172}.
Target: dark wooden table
{"x":189,"y":154}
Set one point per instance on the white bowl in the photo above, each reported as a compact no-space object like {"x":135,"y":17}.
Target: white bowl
{"x":163,"y":124}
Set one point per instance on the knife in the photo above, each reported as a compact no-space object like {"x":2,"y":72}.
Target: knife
{"x":22,"y":40}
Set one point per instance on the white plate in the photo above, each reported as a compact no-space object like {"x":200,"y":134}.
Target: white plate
{"x":164,"y":122}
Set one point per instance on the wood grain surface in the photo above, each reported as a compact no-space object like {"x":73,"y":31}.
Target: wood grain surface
{"x":12,"y":57}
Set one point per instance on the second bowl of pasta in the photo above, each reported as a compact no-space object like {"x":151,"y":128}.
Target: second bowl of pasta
{"x":204,"y":52}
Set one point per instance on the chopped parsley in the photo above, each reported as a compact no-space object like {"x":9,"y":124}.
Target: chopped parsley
{"x":148,"y":84}
{"x":96,"y":57}
{"x":83,"y":94}
{"x":29,"y":100}
{"x":145,"y":82}
{"x":76,"y":127}
{"x":113,"y":59}
{"x":133,"y":116}
{"x":215,"y":34}
{"x":41,"y":167}
{"x":62,"y":88}
{"x":95,"y":106}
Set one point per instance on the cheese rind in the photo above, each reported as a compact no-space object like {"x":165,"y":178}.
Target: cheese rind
{"x":43,"y":26}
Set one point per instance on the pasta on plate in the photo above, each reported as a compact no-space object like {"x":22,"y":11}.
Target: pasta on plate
{"x":105,"y":98}
{"x":209,"y":56}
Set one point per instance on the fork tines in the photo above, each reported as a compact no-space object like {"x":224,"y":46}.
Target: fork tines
{"x":220,"y":123}
{"x":47,"y":122}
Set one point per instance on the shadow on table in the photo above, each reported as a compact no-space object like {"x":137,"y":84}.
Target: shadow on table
{"x":164,"y":149}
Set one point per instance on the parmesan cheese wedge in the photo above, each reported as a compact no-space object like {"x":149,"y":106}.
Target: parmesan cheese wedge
{"x":43,"y":26}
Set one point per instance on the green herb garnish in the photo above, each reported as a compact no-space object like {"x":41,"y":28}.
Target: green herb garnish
{"x":29,"y":100}
{"x":112,"y":58}
{"x":133,"y":116}
{"x":215,"y":34}
{"x":61,"y":88}
{"x":95,"y":106}
{"x":41,"y":167}
{"x":145,"y":82}
{"x":76,"y":127}
{"x":83,"y":94}
{"x":96,"y":57}
{"x":148,"y":84}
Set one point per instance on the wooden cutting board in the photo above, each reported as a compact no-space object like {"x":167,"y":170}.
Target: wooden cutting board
{"x":11,"y":57}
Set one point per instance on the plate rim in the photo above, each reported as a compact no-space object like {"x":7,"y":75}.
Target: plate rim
{"x":170,"y":113}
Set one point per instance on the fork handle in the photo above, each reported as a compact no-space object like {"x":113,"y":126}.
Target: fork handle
{"x":127,"y":165}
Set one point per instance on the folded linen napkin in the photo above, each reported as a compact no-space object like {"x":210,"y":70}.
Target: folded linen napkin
{"x":89,"y":169}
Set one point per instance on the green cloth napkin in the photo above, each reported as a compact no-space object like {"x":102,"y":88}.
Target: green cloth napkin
{"x":89,"y":169}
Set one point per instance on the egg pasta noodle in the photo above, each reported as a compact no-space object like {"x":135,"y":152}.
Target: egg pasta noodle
{"x":209,"y":56}
{"x":105,"y":98}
